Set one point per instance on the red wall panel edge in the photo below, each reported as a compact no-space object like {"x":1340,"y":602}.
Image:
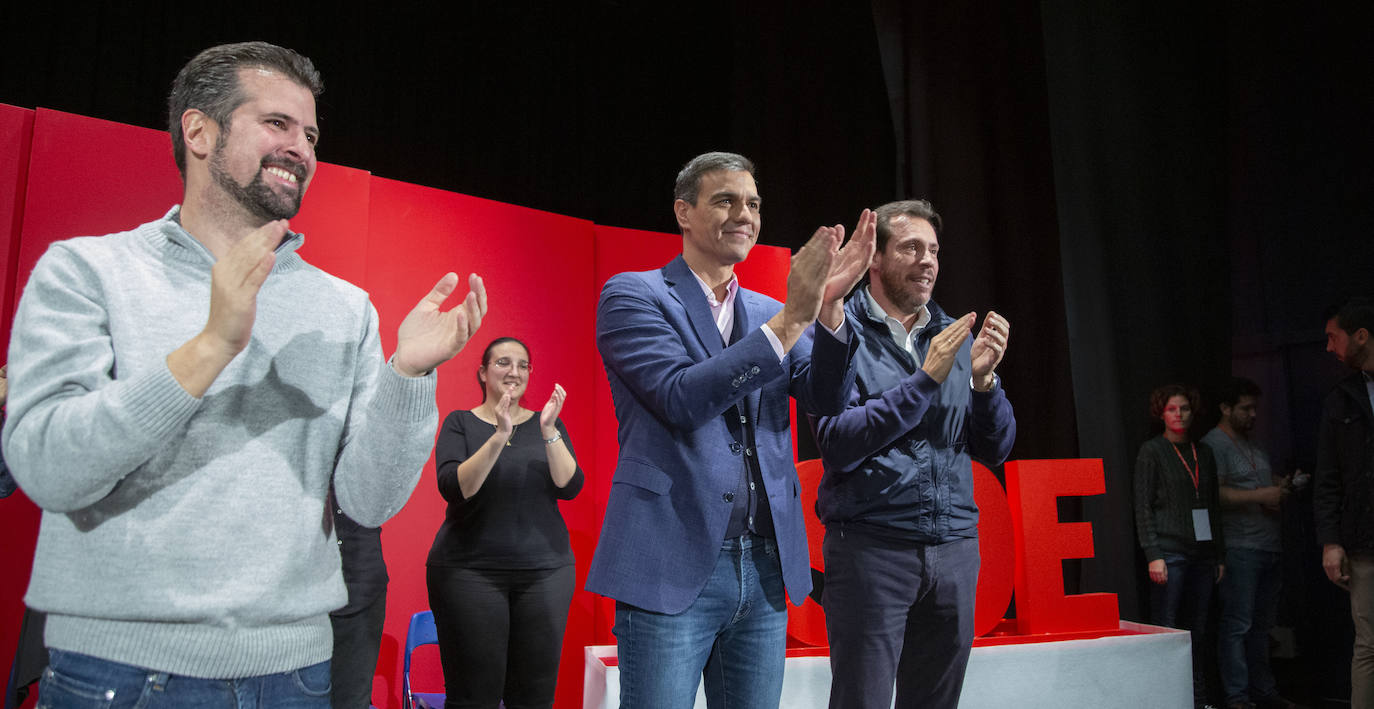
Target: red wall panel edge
{"x":20,"y":517}
{"x":16,"y":140}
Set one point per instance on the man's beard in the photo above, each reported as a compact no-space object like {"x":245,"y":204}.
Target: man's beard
{"x":899,"y":291}
{"x":1355,"y":354}
{"x":259,"y":199}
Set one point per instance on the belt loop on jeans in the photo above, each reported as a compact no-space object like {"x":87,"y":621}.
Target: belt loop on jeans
{"x":742,"y":542}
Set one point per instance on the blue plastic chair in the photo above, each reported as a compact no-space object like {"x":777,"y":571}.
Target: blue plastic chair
{"x":421,"y":632}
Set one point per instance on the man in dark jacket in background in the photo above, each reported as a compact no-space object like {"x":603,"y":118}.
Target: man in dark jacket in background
{"x":901,"y":541}
{"x":1343,"y":496}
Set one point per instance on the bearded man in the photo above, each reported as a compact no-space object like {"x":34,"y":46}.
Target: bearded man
{"x":186,"y":393}
{"x":901,"y":526}
{"x":1343,"y":496}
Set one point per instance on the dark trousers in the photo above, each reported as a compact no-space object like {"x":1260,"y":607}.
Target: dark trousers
{"x":500,"y":633}
{"x":357,"y":641}
{"x":30,"y":659}
{"x":897,"y":611}
{"x":1182,"y":602}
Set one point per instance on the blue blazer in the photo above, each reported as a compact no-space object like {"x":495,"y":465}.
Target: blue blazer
{"x":673,"y":382}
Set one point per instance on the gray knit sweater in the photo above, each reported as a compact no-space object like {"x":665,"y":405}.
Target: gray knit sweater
{"x":192,"y":535}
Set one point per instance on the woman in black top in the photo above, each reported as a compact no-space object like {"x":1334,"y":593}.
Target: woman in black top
{"x":500,"y":573}
{"x":1178,"y":521}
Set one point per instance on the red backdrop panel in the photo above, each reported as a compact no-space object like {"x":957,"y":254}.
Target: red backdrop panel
{"x":16,"y":137}
{"x":78,"y":183}
{"x":334,"y":221}
{"x":18,"y":516}
{"x":538,"y":270}
{"x":90,"y":177}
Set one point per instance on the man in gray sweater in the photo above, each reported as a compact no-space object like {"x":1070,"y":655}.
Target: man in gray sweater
{"x":184,"y":394}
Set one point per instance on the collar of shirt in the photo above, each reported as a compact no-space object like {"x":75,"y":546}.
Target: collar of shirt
{"x":905,"y":340}
{"x":723,"y":312}
{"x":1369,"y":387}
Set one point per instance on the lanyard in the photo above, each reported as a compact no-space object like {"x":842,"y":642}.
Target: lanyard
{"x":1193,"y":471}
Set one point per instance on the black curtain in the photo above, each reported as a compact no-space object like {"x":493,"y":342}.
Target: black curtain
{"x":1137,"y":106}
{"x":967,"y":92}
{"x":1213,"y":174}
{"x":586,"y":108}
{"x":1301,"y":218}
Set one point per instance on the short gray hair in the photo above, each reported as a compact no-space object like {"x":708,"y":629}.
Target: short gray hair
{"x":689,"y":178}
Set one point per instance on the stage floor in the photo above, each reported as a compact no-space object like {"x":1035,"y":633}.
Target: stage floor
{"x":1143,"y":666}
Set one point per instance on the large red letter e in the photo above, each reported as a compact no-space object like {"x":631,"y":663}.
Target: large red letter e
{"x":1042,"y":542}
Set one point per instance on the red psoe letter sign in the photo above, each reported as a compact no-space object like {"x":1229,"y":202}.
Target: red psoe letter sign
{"x":1042,"y":542}
{"x":995,"y":550}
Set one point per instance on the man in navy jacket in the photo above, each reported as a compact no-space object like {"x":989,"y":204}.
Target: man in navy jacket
{"x":704,"y":529}
{"x":901,"y":542}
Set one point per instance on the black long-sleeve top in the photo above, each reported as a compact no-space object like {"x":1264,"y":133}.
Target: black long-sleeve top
{"x":512,"y":521}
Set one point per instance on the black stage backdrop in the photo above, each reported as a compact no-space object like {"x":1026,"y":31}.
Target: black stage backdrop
{"x":1150,"y":192}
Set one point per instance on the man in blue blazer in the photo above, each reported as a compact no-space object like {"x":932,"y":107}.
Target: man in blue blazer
{"x":704,"y":527}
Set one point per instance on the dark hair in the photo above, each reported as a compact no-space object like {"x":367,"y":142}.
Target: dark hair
{"x":210,"y":83}
{"x":919,"y":208}
{"x":1159,"y":398}
{"x":1356,"y":313}
{"x":689,"y":177}
{"x":1234,"y":388}
{"x":486,"y":358}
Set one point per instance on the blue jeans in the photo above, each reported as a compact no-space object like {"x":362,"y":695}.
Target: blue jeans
{"x":1186,"y":594}
{"x":733,"y":638}
{"x":1249,"y":601}
{"x":76,"y":681}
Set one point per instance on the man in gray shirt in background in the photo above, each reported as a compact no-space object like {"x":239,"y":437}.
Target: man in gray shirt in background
{"x":1250,"y":497}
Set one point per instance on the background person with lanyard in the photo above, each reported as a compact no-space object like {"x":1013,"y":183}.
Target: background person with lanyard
{"x":1178,"y":521}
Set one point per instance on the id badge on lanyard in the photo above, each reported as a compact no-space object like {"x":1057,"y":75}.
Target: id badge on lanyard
{"x":1202,"y":525}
